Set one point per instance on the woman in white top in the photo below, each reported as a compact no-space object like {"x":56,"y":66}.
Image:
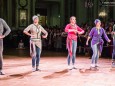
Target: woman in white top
{"x":34,"y":31}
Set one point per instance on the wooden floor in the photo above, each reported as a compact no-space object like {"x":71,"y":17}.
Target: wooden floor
{"x":54,"y":71}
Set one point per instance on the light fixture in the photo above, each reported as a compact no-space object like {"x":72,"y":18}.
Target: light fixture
{"x":103,"y":14}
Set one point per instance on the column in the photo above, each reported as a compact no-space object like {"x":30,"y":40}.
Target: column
{"x":31,"y":10}
{"x":114,"y":13}
{"x":81,"y":12}
{"x":95,"y":9}
{"x":9,"y":18}
{"x":62,"y":13}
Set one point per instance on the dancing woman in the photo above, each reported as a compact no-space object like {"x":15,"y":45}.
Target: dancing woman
{"x":4,"y":31}
{"x":97,"y":41}
{"x":35,"y":30}
{"x":72,"y":29}
{"x":113,"y":53}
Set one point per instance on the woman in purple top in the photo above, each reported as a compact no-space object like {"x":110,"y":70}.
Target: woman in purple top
{"x":97,"y":41}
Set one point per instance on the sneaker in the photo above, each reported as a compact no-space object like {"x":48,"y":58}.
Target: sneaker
{"x":69,"y":67}
{"x":93,"y":65}
{"x":33,"y":69}
{"x":113,"y":64}
{"x":1,"y":73}
{"x":96,"y":65}
{"x":74,"y":67}
{"x":38,"y":69}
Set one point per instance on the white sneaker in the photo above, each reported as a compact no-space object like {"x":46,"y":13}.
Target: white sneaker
{"x":113,"y":64}
{"x":33,"y":69}
{"x":74,"y":67}
{"x":92,"y":65}
{"x":69,"y":67}
{"x":96,"y":65}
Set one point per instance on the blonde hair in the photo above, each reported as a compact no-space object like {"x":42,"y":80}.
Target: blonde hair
{"x":72,"y":17}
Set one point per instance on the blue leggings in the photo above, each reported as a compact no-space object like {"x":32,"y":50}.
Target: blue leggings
{"x":95,"y":55}
{"x":74,"y":48}
{"x":36,"y":60}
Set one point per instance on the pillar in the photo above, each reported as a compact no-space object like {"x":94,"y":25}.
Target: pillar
{"x":62,"y":13}
{"x":81,"y":12}
{"x":9,"y":13}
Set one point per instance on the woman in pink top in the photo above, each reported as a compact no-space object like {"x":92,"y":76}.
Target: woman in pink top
{"x":72,"y":29}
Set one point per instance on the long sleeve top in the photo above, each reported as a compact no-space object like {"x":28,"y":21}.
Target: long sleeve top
{"x":3,"y":25}
{"x":71,"y":36}
{"x":96,"y":35}
{"x":36,"y":31}
{"x":113,"y":31}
